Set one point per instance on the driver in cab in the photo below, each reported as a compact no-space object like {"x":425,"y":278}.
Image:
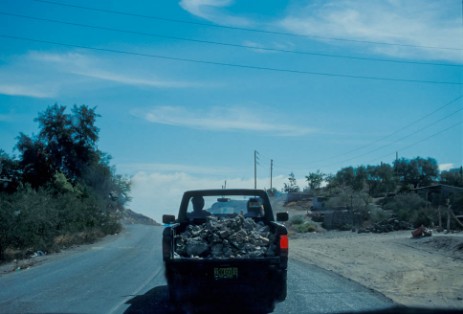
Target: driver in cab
{"x":198,"y":205}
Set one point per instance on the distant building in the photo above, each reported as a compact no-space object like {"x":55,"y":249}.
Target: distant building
{"x":439,"y":193}
{"x":297,"y":196}
{"x":318,"y":203}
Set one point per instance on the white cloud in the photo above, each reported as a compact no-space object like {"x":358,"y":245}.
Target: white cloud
{"x":24,"y":74}
{"x":93,"y":67}
{"x":170,"y":167}
{"x":213,"y":11}
{"x":131,"y":80}
{"x":155,"y":194}
{"x":29,"y":90}
{"x":257,"y":47}
{"x":411,"y":22}
{"x":6,"y":117}
{"x":444,"y":167}
{"x":221,"y":119}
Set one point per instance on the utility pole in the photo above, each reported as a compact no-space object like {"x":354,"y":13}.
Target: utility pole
{"x":271,"y":173}
{"x":255,"y":168}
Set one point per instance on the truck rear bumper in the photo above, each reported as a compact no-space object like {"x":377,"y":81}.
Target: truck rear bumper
{"x":238,"y":282}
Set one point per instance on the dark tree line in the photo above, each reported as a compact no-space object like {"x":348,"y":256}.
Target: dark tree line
{"x":60,"y":189}
{"x":402,"y":174}
{"x":394,"y":184}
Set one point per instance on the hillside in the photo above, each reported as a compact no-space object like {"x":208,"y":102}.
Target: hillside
{"x":131,"y":217}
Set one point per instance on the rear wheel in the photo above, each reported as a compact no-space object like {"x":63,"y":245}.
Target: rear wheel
{"x":282,"y":287}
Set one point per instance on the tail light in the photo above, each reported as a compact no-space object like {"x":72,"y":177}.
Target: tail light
{"x":284,"y":242}
{"x":284,"y":251}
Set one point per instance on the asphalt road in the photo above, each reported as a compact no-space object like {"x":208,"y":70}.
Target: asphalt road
{"x":124,"y":274}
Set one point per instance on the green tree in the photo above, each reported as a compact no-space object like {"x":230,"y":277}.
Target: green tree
{"x":292,"y":186}
{"x":354,"y":178}
{"x":6,"y":219}
{"x":34,"y":161}
{"x":69,"y":139}
{"x":380,"y":179}
{"x":360,"y":178}
{"x":345,"y":176}
{"x":68,"y":187}
{"x":9,"y":173}
{"x":315,"y":179}
{"x":411,"y":207}
{"x":331,"y":182}
{"x":428,"y":170}
{"x":84,"y":136}
{"x":417,"y":171}
{"x":452,"y":177}
{"x":55,"y":136}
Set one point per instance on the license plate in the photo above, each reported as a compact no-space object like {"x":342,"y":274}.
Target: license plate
{"x":225,"y":273}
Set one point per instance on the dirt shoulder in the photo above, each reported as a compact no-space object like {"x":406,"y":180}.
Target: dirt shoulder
{"x":425,"y":272}
{"x":38,"y":259}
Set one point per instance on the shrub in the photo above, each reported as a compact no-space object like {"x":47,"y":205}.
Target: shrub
{"x":411,"y":207}
{"x":297,"y":220}
{"x":305,"y":227}
{"x":42,"y":219}
{"x":376,"y":214}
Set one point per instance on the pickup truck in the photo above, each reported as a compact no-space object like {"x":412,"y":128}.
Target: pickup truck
{"x":227,"y":277}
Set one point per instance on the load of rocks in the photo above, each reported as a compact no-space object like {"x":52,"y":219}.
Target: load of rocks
{"x":221,"y":238}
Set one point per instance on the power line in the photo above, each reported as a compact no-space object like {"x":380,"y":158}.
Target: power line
{"x":404,"y":137}
{"x":413,"y":144}
{"x":410,"y":145}
{"x":424,"y":139}
{"x":393,"y":133}
{"x":243,"y":66}
{"x":238,"y":28}
{"x":397,"y":131}
{"x":217,"y":43}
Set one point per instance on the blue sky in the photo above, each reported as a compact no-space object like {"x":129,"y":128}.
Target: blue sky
{"x":187,"y":90}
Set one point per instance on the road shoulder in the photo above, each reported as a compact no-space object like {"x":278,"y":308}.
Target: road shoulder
{"x":410,"y":272}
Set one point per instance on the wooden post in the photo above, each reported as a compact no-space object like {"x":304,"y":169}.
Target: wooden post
{"x":439,"y":216}
{"x":448,"y":215}
{"x":255,"y":169}
{"x":271,"y":174}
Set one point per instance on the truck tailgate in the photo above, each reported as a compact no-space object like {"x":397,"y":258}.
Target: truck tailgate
{"x":208,"y":279}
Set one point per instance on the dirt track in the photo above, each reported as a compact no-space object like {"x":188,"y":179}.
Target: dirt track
{"x":424,"y":272}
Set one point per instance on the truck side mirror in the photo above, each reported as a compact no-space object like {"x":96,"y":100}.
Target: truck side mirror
{"x":168,"y":219}
{"x":282,"y":216}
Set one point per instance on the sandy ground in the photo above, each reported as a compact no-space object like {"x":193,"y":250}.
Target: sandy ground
{"x":425,"y":272}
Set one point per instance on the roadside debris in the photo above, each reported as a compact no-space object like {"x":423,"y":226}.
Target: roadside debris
{"x":236,"y":237}
{"x":421,"y":231}
{"x":388,"y":225}
{"x":38,"y":253}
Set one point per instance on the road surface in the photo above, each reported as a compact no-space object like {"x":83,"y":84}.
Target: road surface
{"x":124,"y":274}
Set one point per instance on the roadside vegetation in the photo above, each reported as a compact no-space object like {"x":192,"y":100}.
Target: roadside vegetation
{"x":375,"y":193}
{"x":299,"y":224}
{"x":60,"y":189}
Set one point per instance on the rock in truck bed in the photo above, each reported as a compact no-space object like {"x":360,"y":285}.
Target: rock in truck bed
{"x":221,"y":238}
